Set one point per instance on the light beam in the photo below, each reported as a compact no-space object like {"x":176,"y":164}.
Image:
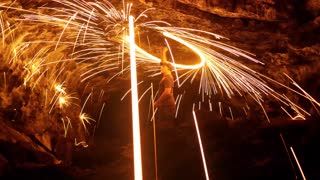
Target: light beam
{"x":135,"y":105}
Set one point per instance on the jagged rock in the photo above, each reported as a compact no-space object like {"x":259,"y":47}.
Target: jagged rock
{"x":313,"y":6}
{"x":10,"y":137}
{"x":259,"y":10}
{"x":263,"y":10}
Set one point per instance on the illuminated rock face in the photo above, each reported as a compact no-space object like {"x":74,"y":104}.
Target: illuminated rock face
{"x":313,"y":6}
{"x":264,"y":10}
{"x":261,"y":10}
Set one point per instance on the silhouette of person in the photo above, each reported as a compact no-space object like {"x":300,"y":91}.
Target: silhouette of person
{"x":165,"y":101}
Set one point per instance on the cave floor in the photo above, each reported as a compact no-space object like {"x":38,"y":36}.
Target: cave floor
{"x":233,"y":151}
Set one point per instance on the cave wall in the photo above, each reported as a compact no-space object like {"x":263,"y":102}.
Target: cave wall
{"x":264,"y":10}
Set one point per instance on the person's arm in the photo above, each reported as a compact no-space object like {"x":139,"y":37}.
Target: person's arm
{"x":166,"y":94}
{"x":164,"y":54}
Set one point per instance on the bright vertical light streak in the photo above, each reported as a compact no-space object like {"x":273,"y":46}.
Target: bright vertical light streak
{"x":135,"y":106}
{"x":2,"y":28}
{"x":231,"y":112}
{"x":220,"y":108}
{"x":200,"y":144}
{"x":178,"y":104}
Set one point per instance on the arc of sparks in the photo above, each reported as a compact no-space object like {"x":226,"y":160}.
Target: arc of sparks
{"x":176,"y":65}
{"x":194,"y":49}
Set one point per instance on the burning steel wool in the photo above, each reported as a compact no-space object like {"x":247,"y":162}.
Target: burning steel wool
{"x":54,"y":60}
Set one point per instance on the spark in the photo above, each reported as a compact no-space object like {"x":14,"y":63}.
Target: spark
{"x":65,"y":100}
{"x":153,"y":97}
{"x":299,"y":116}
{"x":98,"y":70}
{"x":102,"y":108}
{"x":200,"y":144}
{"x":296,"y":117}
{"x":297,"y":161}
{"x":231,"y":113}
{"x":83,"y":143}
{"x":60,"y":88}
{"x":220,"y":109}
{"x":152,"y":102}
{"x":125,"y":94}
{"x":85,"y":118}
{"x":101,"y":95}
{"x":245,"y":111}
{"x":202,"y":58}
{"x":38,"y":79}
{"x":66,"y":125}
{"x":308,"y":96}
{"x":178,"y":100}
{"x":144,"y":93}
{"x":62,"y":101}
{"x":2,"y":27}
{"x":58,"y":96}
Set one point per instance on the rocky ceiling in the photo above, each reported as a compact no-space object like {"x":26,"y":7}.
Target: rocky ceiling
{"x":283,"y":34}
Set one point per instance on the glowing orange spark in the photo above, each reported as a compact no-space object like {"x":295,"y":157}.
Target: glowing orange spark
{"x":62,"y":101}
{"x":60,"y":88}
{"x":200,"y":144}
{"x":84,"y":118}
{"x":297,"y":161}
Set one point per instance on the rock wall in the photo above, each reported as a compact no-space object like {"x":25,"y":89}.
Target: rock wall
{"x":263,"y":10}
